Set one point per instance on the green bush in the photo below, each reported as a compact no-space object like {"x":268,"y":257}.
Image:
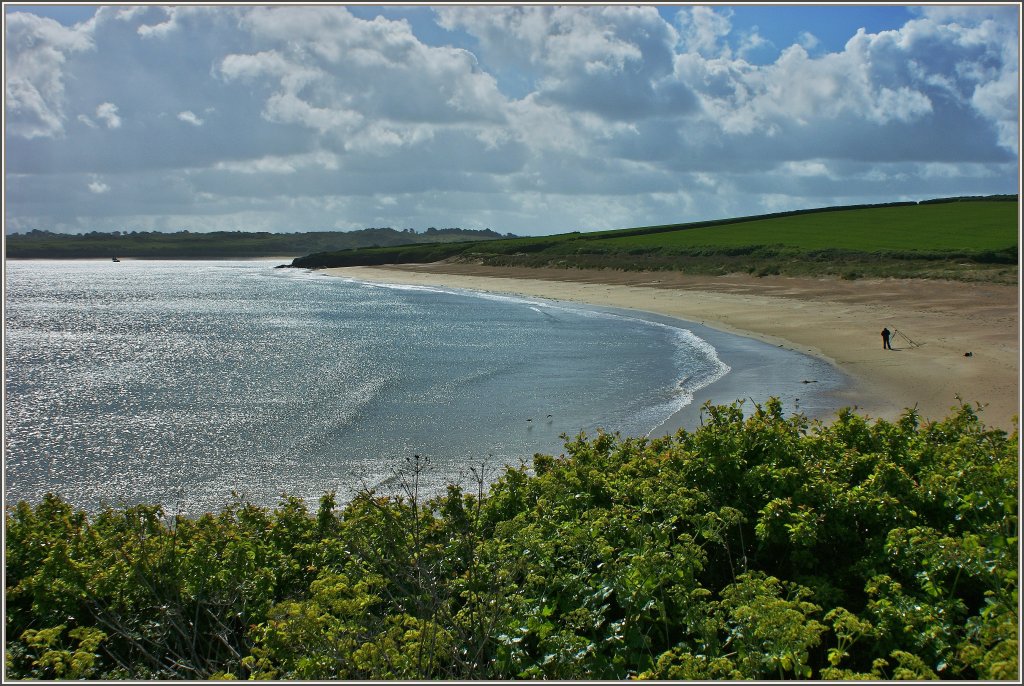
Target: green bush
{"x":755,"y":547}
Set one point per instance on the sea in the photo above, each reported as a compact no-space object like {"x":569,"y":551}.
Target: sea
{"x":192,"y":384}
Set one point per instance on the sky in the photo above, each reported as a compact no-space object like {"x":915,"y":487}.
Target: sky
{"x":523,"y":118}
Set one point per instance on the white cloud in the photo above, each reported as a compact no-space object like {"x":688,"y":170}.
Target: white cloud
{"x":163,"y":28}
{"x":282,"y":165}
{"x":107,"y":112}
{"x":808,"y":41}
{"x":288,"y":108}
{"x":98,"y":187}
{"x":751,"y":43}
{"x":171,"y":20}
{"x":607,"y":60}
{"x":190,"y":117}
{"x":251,"y":68}
{"x":895,"y":77}
{"x":129,"y":13}
{"x":361,"y":83}
{"x":703,"y":31}
{"x":805,"y":168}
{"x":37,"y":52}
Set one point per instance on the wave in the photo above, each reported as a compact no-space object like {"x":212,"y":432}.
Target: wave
{"x":321,"y":425}
{"x":683,"y":388}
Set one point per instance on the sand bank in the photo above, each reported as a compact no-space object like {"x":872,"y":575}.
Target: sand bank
{"x":936,"y":322}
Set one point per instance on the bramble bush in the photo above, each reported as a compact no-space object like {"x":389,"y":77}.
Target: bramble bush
{"x":754,"y":547}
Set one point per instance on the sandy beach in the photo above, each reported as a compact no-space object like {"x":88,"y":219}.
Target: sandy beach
{"x":936,"y":324}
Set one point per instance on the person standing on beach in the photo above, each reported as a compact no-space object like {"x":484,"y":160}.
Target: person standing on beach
{"x":885,"y":339}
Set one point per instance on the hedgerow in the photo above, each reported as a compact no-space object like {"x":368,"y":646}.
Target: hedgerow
{"x":754,"y":547}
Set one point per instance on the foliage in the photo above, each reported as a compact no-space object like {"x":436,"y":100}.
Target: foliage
{"x":754,"y":547}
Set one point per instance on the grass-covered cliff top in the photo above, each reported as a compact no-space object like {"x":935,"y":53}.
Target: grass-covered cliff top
{"x":755,"y":547}
{"x":960,"y":238}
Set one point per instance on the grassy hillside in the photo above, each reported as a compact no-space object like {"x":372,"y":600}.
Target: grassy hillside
{"x":970,"y":238}
{"x":940,"y":227}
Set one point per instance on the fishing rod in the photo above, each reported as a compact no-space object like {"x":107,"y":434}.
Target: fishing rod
{"x":913,"y":343}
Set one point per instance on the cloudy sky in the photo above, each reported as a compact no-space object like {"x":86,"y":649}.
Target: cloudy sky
{"x":529,"y":119}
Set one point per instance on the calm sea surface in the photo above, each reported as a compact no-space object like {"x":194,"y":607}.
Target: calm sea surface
{"x":180,"y":382}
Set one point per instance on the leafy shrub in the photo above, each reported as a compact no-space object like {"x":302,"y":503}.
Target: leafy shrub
{"x":755,"y":547}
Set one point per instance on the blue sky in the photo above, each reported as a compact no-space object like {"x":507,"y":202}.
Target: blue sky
{"x":529,"y":119}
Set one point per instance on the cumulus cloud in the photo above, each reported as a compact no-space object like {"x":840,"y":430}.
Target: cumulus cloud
{"x":892,"y":80}
{"x":38,"y":51}
{"x":161,"y":29}
{"x":107,"y":113}
{"x":527,"y":118}
{"x":611,"y":61}
{"x":703,"y":31}
{"x":367,"y":86}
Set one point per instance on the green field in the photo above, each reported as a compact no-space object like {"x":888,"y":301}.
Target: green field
{"x":942,"y":227}
{"x":966,"y":239}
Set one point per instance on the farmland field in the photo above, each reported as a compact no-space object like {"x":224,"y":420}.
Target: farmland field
{"x":946,"y":226}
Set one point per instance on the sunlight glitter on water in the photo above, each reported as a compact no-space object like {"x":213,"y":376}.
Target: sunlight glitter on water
{"x":178,"y":382}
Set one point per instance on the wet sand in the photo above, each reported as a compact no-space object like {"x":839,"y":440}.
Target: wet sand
{"x":935,"y":323}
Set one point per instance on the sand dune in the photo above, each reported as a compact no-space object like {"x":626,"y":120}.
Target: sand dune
{"x":936,"y":322}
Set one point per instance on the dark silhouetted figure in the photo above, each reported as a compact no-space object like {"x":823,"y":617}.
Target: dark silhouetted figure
{"x":885,"y":340}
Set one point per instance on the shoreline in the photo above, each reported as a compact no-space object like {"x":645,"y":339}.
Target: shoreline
{"x":835,"y":321}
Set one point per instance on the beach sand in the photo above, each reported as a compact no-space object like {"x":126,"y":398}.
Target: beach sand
{"x":936,"y":323}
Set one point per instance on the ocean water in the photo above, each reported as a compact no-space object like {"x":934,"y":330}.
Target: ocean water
{"x":192,"y":383}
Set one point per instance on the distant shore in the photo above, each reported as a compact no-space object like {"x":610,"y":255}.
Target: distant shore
{"x":936,"y":323}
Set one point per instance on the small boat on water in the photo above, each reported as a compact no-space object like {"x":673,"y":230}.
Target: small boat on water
{"x":115,"y":259}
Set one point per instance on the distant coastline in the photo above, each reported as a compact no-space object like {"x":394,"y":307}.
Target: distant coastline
{"x":222,"y":245}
